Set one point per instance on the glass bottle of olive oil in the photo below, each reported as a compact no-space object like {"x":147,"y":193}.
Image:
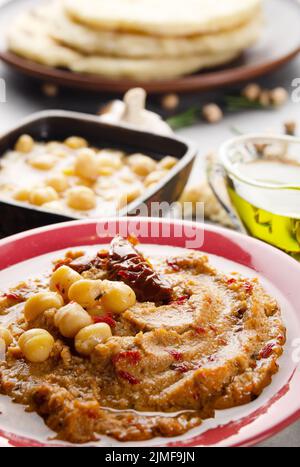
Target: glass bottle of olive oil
{"x":271,"y":215}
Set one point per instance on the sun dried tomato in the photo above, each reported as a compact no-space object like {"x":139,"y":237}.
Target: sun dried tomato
{"x":127,"y":264}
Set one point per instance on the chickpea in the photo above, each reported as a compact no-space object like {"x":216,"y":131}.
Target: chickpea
{"x":60,"y":153}
{"x":89,"y":337}
{"x":53,"y":146}
{"x":62,"y":279}
{"x":50,"y":89}
{"x":128,"y":196}
{"x":105,"y":171}
{"x":167,"y":163}
{"x":40,"y":196}
{"x":81,"y":198}
{"x":69,"y":171}
{"x":192,"y":194}
{"x":128,"y":177}
{"x":155,"y":177}
{"x":36,"y":345}
{"x":86,"y":292}
{"x":279,"y":96}
{"x":109,"y":161}
{"x":71,"y":319}
{"x":25,"y":144}
{"x":170,"y":101}
{"x":59,"y":182}
{"x":41,"y":302}
{"x":6,"y":336}
{"x":118,"y":297}
{"x":75,"y":142}
{"x":290,"y":127}
{"x":265,"y":98}
{"x":43,"y":162}
{"x":141,"y":165}
{"x":212,"y":113}
{"x":252,"y":92}
{"x":55,"y":206}
{"x":86,"y":165}
{"x":22,"y":195}
{"x":275,"y":151}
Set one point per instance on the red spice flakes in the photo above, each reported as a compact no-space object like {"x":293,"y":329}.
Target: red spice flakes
{"x":128,"y":377}
{"x":213,"y":328}
{"x":133,"y":357}
{"x":173,"y":265}
{"x":267,"y":351}
{"x":200,"y":330}
{"x":181,"y":300}
{"x":105,"y":319}
{"x":182,"y":367}
{"x":175,"y":354}
{"x":62,"y":262}
{"x":211,"y":358}
{"x":14,"y":296}
{"x":231,"y":281}
{"x":248,"y":287}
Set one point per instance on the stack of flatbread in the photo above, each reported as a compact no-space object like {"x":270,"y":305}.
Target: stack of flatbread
{"x":139,"y":39}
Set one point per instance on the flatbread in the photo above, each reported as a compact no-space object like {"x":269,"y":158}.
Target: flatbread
{"x":89,"y":41}
{"x":29,"y":39}
{"x":163,"y":17}
{"x":150,"y":69}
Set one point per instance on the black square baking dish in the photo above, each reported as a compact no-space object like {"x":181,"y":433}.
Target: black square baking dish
{"x":57,"y":126}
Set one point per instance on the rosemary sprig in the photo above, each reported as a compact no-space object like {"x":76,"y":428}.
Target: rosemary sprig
{"x":184,"y":119}
{"x":235,"y":103}
{"x":230,"y":103}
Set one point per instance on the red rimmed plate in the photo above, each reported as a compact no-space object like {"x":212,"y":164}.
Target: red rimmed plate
{"x":29,"y":254}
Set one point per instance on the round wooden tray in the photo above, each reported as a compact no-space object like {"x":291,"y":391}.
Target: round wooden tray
{"x":279,"y":44}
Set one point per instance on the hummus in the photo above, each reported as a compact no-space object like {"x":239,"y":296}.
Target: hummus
{"x":208,"y":341}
